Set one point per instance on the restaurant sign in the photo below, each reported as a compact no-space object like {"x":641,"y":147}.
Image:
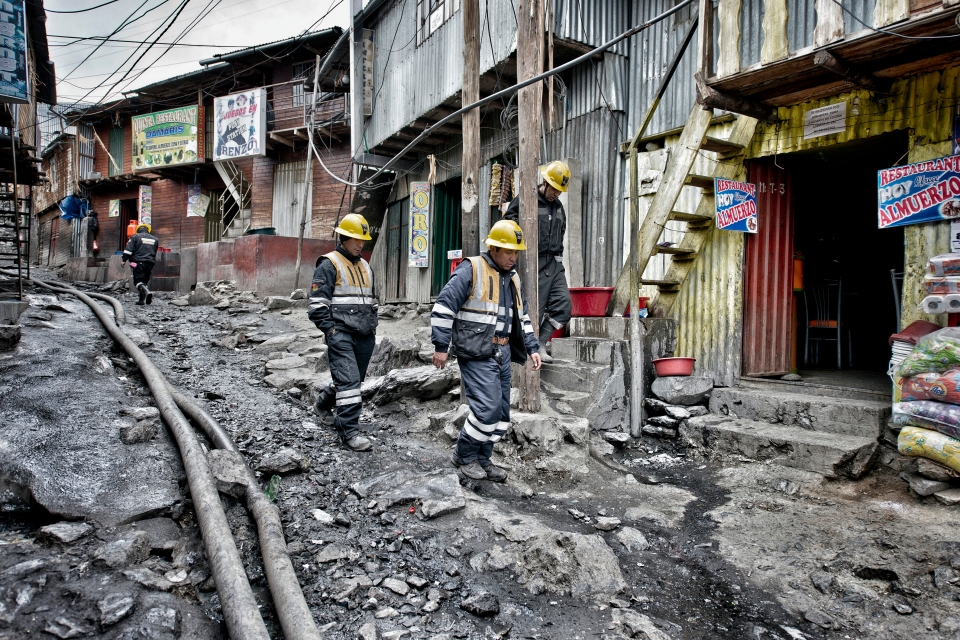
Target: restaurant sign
{"x":168,"y":138}
{"x":921,"y":192}
{"x":736,"y":205}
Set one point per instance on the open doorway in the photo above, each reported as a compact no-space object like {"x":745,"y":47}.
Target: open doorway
{"x":128,"y":214}
{"x":845,"y":302}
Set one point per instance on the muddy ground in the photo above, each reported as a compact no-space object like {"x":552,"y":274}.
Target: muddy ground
{"x":704,"y":549}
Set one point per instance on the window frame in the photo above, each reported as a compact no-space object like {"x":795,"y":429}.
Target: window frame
{"x":432,"y":15}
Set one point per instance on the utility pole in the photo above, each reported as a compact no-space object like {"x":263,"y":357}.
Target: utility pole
{"x":470,"y":93}
{"x":308,"y":182}
{"x":529,"y":64}
{"x":356,"y":85}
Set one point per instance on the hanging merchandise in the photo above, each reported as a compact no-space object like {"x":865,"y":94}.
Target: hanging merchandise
{"x":73,"y":208}
{"x":496,"y":178}
{"x":916,"y":441}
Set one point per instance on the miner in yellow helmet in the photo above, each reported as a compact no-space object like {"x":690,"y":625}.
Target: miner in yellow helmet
{"x":554,"y":306}
{"x":343,"y":305}
{"x":481,"y":317}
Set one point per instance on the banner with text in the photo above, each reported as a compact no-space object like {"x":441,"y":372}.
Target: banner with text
{"x":736,"y":205}
{"x":240,"y":122}
{"x":921,"y":192}
{"x":419,"y":224}
{"x":14,"y":83}
{"x":168,"y":138}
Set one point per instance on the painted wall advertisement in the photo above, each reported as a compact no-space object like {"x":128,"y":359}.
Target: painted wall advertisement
{"x":168,"y":138}
{"x":419,"y":224}
{"x":736,"y":205}
{"x":197,"y":203}
{"x":13,"y":52}
{"x":114,"y":209}
{"x":240,"y":122}
{"x":145,"y":205}
{"x":921,"y":192}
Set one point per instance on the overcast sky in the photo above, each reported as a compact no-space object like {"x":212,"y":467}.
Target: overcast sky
{"x":234,"y":24}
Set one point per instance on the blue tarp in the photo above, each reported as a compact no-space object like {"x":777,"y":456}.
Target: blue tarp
{"x":73,"y":207}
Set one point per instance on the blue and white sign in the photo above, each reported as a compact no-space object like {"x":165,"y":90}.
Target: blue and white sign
{"x":13,"y":53}
{"x":921,"y":192}
{"x":736,"y":205}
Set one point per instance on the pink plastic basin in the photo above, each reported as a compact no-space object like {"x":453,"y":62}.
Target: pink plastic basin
{"x":673,"y":366}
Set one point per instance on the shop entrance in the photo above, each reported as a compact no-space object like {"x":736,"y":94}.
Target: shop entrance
{"x":831,"y":324}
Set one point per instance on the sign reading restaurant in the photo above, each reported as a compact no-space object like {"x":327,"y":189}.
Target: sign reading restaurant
{"x":920,"y":192}
{"x":168,"y":138}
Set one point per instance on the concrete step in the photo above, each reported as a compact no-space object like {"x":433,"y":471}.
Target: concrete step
{"x":589,"y":350}
{"x":802,"y":387}
{"x":572,"y":377}
{"x":832,"y":455}
{"x":811,"y":411}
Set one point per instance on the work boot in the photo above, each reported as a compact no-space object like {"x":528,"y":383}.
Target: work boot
{"x":323,"y":412}
{"x":495,"y":473}
{"x":546,"y":331}
{"x":473,"y":470}
{"x":149,"y":295}
{"x":143,"y":293}
{"x":359,"y":443}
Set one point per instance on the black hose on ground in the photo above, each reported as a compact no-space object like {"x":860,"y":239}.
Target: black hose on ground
{"x":239,"y":607}
{"x":118,"y":312}
{"x":291,"y":606}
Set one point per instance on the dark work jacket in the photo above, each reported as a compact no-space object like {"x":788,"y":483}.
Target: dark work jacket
{"x":469,"y":313}
{"x":332,"y":306}
{"x":552,"y":225}
{"x":142,"y":247}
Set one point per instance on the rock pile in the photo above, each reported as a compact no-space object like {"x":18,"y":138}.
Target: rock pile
{"x":665,"y":419}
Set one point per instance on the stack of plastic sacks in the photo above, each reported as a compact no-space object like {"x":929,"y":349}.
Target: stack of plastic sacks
{"x":942,"y":284}
{"x":928,"y":411}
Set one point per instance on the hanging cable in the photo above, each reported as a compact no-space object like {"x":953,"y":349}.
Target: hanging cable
{"x":82,"y":10}
{"x":887,"y":31}
{"x":509,"y":90}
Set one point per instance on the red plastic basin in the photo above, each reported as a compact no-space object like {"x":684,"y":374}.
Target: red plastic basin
{"x":673,"y":366}
{"x":590,"y":302}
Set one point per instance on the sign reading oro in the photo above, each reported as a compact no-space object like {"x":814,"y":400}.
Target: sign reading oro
{"x":240,"y":123}
{"x":419,"y":224}
{"x":168,"y":138}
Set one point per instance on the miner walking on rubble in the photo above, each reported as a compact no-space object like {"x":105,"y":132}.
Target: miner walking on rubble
{"x":482,"y":313}
{"x":141,"y":251}
{"x":343,"y":305}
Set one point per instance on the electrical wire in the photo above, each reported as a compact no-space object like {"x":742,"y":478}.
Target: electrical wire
{"x":887,"y":31}
{"x":509,"y":90}
{"x":118,"y":40}
{"x":81,"y":10}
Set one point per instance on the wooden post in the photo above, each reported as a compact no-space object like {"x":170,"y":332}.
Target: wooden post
{"x":529,"y":61}
{"x":636,"y":340}
{"x":307,"y":191}
{"x":469,"y":191}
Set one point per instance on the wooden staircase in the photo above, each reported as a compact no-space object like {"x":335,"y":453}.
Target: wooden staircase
{"x":677,"y":174}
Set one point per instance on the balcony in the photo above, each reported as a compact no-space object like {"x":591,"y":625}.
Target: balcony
{"x":288,"y":115}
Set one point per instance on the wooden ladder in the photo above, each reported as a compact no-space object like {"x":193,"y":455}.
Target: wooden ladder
{"x":677,"y":175}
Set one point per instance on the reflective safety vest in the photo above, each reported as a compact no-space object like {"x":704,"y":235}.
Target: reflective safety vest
{"x":354,"y":303}
{"x":475,"y":323}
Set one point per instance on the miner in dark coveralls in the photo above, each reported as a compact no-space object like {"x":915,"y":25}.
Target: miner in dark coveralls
{"x":141,"y":252}
{"x":554,"y":296}
{"x":481,"y":317}
{"x":343,"y":305}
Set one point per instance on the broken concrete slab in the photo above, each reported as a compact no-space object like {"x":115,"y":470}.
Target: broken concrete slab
{"x":423,"y":383}
{"x":683,"y":390}
{"x":229,"y":471}
{"x":829,"y":454}
{"x":277,"y":343}
{"x":302,"y":378}
{"x":284,"y":364}
{"x":393,"y":353}
{"x":438,"y":494}
{"x":851,"y":416}
{"x":948,"y":497}
{"x":282,"y":462}
{"x":65,"y":531}
{"x":130,"y":548}
{"x":924,"y":486}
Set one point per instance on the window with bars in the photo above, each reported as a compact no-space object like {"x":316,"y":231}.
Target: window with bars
{"x":432,"y":14}
{"x":301,"y":71}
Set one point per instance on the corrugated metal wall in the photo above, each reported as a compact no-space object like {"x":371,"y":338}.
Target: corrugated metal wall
{"x":651,"y":51}
{"x":289,"y":180}
{"x":862,"y":10}
{"x":801,"y":22}
{"x":591,"y":22}
{"x":593,"y":139}
{"x":751,"y":32}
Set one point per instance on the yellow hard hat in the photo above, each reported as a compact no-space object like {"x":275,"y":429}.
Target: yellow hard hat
{"x":506,"y":234}
{"x":557,"y":175}
{"x":354,"y":225}
{"x":143,"y":225}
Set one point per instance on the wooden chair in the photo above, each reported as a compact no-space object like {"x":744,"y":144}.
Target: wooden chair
{"x":824,"y":323}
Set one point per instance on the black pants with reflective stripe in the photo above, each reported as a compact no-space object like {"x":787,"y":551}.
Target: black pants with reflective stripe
{"x":141,"y":273}
{"x":348,"y":354}
{"x":554,"y":295}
